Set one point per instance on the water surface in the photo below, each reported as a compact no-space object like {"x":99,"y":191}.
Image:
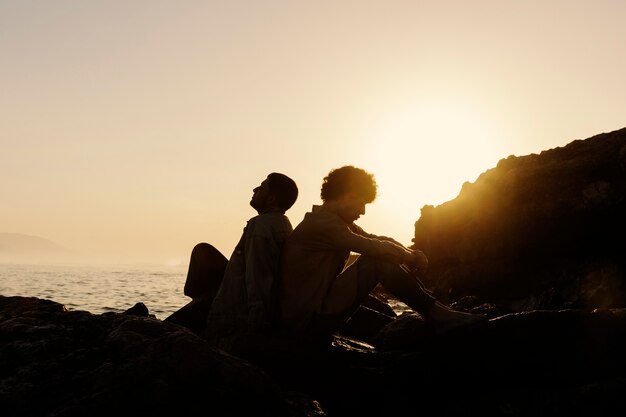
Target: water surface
{"x":99,"y":289}
{"x":103,"y":288}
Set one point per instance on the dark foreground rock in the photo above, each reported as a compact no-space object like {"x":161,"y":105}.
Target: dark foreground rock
{"x":538,"y":363}
{"x":55,"y":362}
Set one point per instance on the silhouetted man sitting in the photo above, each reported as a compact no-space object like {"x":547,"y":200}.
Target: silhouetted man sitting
{"x":318,"y":294}
{"x":241,"y":292}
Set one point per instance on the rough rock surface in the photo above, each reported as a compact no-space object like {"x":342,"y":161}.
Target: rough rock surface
{"x":542,"y":231}
{"x":55,"y":362}
{"x":540,"y":363}
{"x":536,"y":363}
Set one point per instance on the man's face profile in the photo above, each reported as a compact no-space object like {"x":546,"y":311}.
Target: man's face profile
{"x":260,"y":197}
{"x":351,"y":207}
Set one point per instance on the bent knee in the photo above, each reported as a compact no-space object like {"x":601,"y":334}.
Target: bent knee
{"x":203,"y":247}
{"x":204,"y":252}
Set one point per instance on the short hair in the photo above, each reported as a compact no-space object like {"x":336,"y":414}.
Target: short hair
{"x":284,"y":189}
{"x":349,"y":179}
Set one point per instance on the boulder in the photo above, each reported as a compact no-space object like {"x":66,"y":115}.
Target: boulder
{"x":55,"y":362}
{"x":541,"y":231}
{"x":536,"y":363}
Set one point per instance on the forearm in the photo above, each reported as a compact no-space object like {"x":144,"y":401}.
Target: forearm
{"x":359,"y":231}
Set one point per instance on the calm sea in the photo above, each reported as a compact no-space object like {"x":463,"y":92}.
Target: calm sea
{"x":99,"y":289}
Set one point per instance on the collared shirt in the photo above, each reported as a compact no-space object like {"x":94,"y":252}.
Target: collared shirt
{"x":247,"y":295}
{"x":314,"y":254}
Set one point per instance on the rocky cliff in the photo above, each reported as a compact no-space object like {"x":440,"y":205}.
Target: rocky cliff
{"x":537,"y":231}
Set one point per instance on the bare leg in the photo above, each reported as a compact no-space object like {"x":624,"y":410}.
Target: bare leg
{"x":406,"y":285}
{"x":443,"y":316}
{"x":352,"y":287}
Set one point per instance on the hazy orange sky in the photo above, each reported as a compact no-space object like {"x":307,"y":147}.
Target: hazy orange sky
{"x":132,"y":130}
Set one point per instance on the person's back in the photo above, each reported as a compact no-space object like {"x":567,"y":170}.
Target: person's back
{"x":247,"y":296}
{"x":311,"y":261}
{"x":241,"y":291}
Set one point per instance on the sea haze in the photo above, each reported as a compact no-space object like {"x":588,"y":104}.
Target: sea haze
{"x":17,"y":247}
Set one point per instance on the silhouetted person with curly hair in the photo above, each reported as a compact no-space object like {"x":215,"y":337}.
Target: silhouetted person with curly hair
{"x":318,"y":293}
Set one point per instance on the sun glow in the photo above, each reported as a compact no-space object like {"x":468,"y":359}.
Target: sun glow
{"x":422,"y":154}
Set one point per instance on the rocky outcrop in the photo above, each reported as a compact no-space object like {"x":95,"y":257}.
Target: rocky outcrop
{"x":539,"y":231}
{"x":55,"y":362}
{"x":536,"y":363}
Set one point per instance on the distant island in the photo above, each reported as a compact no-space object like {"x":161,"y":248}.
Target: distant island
{"x":17,"y":247}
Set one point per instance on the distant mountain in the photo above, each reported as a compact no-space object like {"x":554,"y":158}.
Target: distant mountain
{"x":19,"y":247}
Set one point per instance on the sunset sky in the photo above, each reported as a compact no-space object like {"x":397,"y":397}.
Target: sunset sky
{"x":131,"y":130}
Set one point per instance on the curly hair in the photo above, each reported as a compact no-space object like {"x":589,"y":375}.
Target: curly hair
{"x":349,"y":179}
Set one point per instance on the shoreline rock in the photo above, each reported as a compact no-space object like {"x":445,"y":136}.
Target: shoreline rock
{"x":55,"y":362}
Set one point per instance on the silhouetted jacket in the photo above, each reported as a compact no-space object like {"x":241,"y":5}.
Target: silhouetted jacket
{"x":247,"y":295}
{"x":314,"y":255}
